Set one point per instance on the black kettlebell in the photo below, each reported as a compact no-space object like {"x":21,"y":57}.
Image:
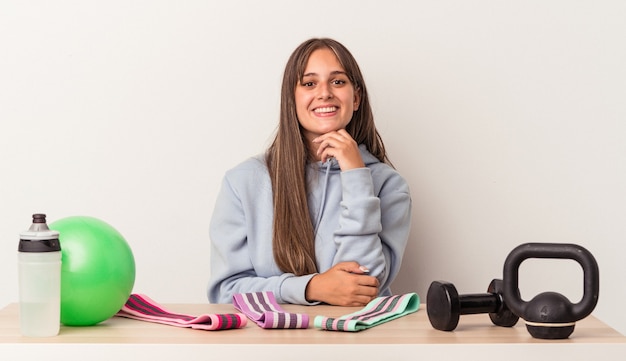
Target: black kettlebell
{"x":550,"y":315}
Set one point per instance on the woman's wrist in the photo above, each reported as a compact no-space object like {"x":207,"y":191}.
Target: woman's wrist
{"x":309,"y":291}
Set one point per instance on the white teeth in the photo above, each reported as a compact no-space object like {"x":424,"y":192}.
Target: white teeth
{"x":326,"y":110}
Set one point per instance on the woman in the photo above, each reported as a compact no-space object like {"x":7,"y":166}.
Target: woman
{"x":322,"y":217}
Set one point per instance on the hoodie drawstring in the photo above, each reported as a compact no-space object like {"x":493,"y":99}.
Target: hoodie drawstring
{"x":319,"y":213}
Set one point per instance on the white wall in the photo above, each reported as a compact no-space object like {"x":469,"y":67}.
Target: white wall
{"x":507,"y":119}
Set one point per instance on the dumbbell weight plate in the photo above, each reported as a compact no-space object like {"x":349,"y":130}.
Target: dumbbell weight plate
{"x":443,"y":306}
{"x":504,"y":316}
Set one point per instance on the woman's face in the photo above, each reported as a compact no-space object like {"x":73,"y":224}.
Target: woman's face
{"x":325,"y":99}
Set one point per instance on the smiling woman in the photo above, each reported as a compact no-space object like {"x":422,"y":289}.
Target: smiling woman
{"x":322,"y":216}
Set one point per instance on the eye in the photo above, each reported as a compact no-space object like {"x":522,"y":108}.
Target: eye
{"x":307,"y":84}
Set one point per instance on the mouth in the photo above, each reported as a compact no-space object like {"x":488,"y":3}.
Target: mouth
{"x":325,"y":110}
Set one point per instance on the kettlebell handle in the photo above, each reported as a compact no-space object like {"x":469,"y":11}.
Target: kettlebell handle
{"x":557,"y":251}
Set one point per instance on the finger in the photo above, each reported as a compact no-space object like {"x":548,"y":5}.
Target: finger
{"x":360,"y":302}
{"x":331,"y":148}
{"x":368,"y":281}
{"x":329,"y":142}
{"x":366,"y":294}
{"x":333,"y":136}
{"x":324,"y":149}
{"x":344,"y":133}
{"x":327,"y":153}
{"x":348,"y":266}
{"x":360,"y":270}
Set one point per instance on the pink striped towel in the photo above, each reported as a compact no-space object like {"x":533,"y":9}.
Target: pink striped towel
{"x":141,"y":307}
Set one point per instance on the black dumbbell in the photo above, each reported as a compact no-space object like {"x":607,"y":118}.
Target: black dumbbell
{"x":444,"y":305}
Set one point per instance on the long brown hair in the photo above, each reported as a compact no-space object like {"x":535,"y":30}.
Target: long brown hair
{"x":287,"y":157}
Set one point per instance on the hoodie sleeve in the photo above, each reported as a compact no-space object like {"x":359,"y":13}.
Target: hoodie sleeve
{"x":375,"y":221}
{"x":241,"y":246}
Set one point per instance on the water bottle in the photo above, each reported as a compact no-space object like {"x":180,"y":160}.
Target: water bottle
{"x":39,"y":272}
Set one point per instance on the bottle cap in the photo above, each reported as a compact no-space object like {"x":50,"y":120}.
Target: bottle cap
{"x":39,"y":238}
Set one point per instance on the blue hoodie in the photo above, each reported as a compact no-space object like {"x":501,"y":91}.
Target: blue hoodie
{"x":360,"y":215}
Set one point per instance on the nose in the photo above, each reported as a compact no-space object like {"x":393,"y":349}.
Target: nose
{"x":324,"y":91}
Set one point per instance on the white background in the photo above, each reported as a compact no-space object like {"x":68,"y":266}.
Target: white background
{"x":507,"y":118}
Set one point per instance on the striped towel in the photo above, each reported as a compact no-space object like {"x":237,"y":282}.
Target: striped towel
{"x":261,"y":307}
{"x":378,"y":311}
{"x":141,"y":307}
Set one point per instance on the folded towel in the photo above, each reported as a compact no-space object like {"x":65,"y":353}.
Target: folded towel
{"x":141,"y":307}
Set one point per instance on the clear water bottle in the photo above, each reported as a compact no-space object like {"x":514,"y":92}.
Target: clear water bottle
{"x":39,"y":271}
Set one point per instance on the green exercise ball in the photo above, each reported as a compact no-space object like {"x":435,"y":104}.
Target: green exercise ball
{"x":97,"y":270}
